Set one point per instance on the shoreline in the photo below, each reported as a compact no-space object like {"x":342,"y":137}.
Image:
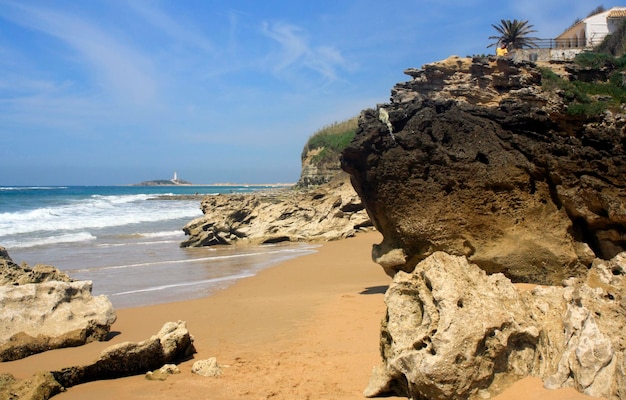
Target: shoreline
{"x":305,"y":328}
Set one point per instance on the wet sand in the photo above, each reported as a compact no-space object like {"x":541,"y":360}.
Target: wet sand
{"x":305,"y":329}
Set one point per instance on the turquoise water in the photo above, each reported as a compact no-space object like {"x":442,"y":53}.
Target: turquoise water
{"x":126,"y":240}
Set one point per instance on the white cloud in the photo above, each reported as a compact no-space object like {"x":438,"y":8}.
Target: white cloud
{"x":118,"y":69}
{"x":182,"y":32}
{"x":296,"y":52}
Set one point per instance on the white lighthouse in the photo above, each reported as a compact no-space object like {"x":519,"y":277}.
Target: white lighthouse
{"x":175,"y":179}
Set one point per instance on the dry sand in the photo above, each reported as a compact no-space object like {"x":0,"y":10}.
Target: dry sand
{"x":305,"y":329}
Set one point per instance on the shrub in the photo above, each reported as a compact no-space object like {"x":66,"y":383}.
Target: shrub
{"x":595,"y":60}
{"x":590,"y":98}
{"x":331,"y":140}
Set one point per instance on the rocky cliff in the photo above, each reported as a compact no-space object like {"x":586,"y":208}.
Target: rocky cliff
{"x":316,"y":173}
{"x":474,"y":158}
{"x":477,"y":177}
{"x":321,"y":153}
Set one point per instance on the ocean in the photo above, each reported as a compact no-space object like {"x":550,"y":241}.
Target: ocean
{"x":126,"y":240}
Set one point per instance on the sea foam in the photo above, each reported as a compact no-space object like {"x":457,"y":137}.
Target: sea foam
{"x":96,"y":212}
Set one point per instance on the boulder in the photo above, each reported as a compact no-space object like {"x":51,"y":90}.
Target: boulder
{"x":473,"y":157}
{"x":453,"y":332}
{"x":162,"y":373}
{"x":327,"y":212}
{"x":208,"y":367}
{"x":37,"y":317}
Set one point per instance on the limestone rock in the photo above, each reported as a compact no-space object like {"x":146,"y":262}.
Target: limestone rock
{"x":40,"y":386}
{"x":172,"y":343}
{"x":162,"y":373}
{"x":450,"y":329}
{"x":207,"y":367}
{"x":13,"y":274}
{"x":328,"y":212}
{"x":49,"y":315}
{"x":314,"y":173}
{"x":485,"y":163}
{"x":453,"y":332}
{"x":593,"y":358}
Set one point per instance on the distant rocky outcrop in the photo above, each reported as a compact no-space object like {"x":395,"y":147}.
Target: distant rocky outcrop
{"x":478,"y":177}
{"x":43,"y":309}
{"x":326,"y":212}
{"x":164,"y":182}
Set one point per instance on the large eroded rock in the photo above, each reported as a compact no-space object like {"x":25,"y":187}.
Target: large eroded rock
{"x":454,"y":332}
{"x":472,"y":157}
{"x":42,"y":308}
{"x":37,"y":317}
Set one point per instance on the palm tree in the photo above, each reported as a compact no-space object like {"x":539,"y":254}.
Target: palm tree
{"x":515,"y":33}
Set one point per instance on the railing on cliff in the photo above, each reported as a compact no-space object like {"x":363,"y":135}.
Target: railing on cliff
{"x":567,"y":43}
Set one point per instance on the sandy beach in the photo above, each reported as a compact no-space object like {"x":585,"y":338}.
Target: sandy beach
{"x":305,"y":329}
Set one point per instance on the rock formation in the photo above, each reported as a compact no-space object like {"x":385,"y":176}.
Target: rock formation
{"x":162,"y":373}
{"x":313,"y":173}
{"x":477,"y":176}
{"x":327,"y":212}
{"x":40,"y":386}
{"x":473,"y":158}
{"x":172,"y":343}
{"x":453,"y":332}
{"x":321,"y":153}
{"x":43,"y":309}
{"x":13,"y":274}
{"x":208,"y":367}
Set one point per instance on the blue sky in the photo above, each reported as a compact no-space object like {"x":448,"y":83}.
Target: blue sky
{"x":116,"y":92}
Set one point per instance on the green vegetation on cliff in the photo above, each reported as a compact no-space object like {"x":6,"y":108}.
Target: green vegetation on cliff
{"x":603,"y":89}
{"x":330,"y":141}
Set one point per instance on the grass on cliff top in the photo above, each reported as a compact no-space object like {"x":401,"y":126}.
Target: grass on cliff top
{"x":591,"y":98}
{"x":331,"y":140}
{"x":595,"y":97}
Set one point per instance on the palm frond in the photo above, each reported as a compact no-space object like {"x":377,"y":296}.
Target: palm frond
{"x":515,"y":33}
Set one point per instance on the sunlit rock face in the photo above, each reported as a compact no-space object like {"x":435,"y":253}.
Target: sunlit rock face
{"x":453,"y":332}
{"x":477,"y":177}
{"x":44,"y":309}
{"x":472,"y":157}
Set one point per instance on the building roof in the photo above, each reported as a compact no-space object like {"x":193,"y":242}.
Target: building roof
{"x":617,"y":12}
{"x":613,"y":13}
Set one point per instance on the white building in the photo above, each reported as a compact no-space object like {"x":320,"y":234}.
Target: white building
{"x":583,"y":35}
{"x":592,"y":30}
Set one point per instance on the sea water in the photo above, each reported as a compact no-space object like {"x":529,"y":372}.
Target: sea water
{"x":126,"y":239}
